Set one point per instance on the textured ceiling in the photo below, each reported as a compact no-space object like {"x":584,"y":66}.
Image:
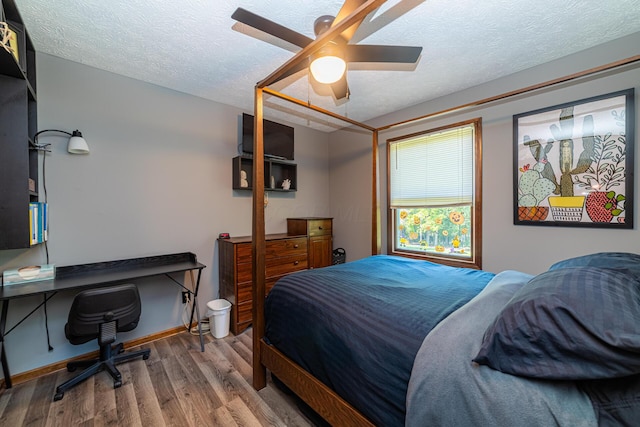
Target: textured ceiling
{"x":194,"y":46}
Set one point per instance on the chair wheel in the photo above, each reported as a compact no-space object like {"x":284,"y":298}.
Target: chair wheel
{"x":117,"y":384}
{"x":145,"y":356}
{"x":58,"y":396}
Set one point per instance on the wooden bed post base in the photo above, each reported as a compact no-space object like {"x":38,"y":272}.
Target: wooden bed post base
{"x":376,"y":242}
{"x":318,"y":396}
{"x":259,"y":245}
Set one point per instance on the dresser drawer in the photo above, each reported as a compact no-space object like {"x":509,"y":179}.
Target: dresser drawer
{"x":245,"y":292}
{"x":319,"y":227}
{"x":244,"y":312}
{"x":243,"y":253}
{"x":274,"y":267}
{"x":273,"y":248}
{"x":286,"y":247}
{"x":245,"y":272}
{"x":269,"y":282}
{"x":309,"y":226}
{"x":285,"y":265}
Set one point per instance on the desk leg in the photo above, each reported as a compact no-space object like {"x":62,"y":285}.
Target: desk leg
{"x":196,"y":309}
{"x":195,"y":305}
{"x":3,"y":353}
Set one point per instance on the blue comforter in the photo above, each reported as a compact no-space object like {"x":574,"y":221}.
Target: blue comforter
{"x":358,"y":326}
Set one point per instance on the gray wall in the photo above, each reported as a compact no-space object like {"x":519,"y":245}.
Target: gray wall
{"x":505,"y":246}
{"x":157,"y":181}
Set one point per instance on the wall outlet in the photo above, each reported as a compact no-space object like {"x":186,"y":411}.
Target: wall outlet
{"x":185,"y":296}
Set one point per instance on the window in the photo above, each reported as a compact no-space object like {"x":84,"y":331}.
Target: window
{"x":434,"y":194}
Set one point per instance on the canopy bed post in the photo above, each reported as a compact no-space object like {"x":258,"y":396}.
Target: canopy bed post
{"x":259,"y":245}
{"x":376,"y":242}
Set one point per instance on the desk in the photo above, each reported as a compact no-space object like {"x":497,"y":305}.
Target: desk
{"x":78,"y":277}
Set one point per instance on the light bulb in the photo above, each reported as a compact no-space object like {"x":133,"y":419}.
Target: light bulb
{"x":328,"y":69}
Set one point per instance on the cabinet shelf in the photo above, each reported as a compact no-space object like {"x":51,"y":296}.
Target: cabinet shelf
{"x":9,"y":66}
{"x":18,"y":123}
{"x":280,"y":170}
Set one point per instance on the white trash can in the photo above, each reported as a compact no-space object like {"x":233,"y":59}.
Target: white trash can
{"x":219,"y":317}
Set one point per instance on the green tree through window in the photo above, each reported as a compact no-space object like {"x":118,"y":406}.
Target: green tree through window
{"x":434,"y":194}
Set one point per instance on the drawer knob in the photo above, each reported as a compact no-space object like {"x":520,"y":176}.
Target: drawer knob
{"x":296,"y":262}
{"x":295,"y":246}
{"x":320,"y":228}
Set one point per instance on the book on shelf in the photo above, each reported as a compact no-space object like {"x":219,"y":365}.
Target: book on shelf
{"x":45,"y":222}
{"x":38,"y":222}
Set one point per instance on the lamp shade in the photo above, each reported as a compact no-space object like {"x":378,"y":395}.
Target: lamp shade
{"x":77,"y":144}
{"x":327,"y":66}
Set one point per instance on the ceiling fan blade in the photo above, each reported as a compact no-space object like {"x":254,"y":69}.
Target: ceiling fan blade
{"x":340,"y":88}
{"x":270,"y":27}
{"x":347,"y":8}
{"x":380,"y":53}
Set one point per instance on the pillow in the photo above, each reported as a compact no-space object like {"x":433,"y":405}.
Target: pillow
{"x":571,"y":323}
{"x":602,"y":259}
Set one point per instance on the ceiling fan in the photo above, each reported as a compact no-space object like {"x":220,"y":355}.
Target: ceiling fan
{"x":338,"y":51}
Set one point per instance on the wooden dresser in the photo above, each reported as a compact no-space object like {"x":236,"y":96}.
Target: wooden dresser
{"x":320,"y":241}
{"x":284,"y":254}
{"x":307,"y":244}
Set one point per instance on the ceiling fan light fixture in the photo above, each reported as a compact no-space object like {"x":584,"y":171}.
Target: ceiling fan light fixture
{"x":328,"y":66}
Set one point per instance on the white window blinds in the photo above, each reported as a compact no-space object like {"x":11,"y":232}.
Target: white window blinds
{"x":433,"y":169}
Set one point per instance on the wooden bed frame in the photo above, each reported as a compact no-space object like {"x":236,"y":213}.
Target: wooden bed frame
{"x":318,"y":396}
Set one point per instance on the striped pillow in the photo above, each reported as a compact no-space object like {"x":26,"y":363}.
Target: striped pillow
{"x":602,"y":259}
{"x":571,"y":323}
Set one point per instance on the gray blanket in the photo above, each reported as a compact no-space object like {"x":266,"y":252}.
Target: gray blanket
{"x":447,"y":389}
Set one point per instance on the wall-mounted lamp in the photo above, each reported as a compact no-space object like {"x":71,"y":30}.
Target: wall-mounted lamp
{"x":76,"y":144}
{"x":328,"y":65}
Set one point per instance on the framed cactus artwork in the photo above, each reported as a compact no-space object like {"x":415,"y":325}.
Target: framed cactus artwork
{"x":573,"y":163}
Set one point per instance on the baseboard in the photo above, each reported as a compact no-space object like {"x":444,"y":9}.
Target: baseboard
{"x":44,"y":370}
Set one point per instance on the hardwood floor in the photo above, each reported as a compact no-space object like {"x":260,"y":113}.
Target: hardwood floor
{"x":177,"y":386}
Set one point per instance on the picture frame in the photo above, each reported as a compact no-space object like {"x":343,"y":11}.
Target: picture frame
{"x":572,"y":164}
{"x":20,"y":50}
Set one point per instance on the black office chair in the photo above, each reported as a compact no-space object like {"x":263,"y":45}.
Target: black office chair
{"x":100,"y":313}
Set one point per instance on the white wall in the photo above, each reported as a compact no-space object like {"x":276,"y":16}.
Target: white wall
{"x":157,"y":181}
{"x":505,"y":246}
